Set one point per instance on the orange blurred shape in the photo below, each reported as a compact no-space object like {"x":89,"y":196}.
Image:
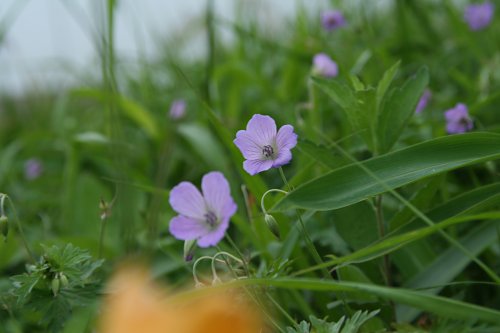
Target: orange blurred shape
{"x":136,"y":305}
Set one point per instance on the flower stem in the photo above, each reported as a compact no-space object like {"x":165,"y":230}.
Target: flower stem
{"x":101,"y":236}
{"x":283,"y":177}
{"x":262,"y":206}
{"x":309,"y":242}
{"x":233,"y":244}
{"x":381,"y":233}
{"x":19,"y":227}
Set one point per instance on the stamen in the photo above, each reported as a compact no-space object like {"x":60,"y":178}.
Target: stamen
{"x":211,"y":218}
{"x":268,"y":151}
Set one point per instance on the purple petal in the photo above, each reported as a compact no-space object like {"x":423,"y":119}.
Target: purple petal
{"x":423,"y":101}
{"x":479,"y":16}
{"x":33,"y":168}
{"x":284,"y":157}
{"x":262,"y":129}
{"x":253,"y":167}
{"x":332,"y":19}
{"x":324,"y":65}
{"x":286,"y":138}
{"x":214,"y":237}
{"x":177,"y":109}
{"x":217,"y":195}
{"x":457,"y":113}
{"x":185,"y":228}
{"x":186,"y":200}
{"x":248,"y":145}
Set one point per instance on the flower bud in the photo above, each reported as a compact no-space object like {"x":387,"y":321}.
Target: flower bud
{"x":64,"y":280}
{"x":105,"y":209}
{"x":189,"y":247}
{"x":4,"y":226}
{"x":56,"y":284}
{"x":272,"y":225}
{"x":30,"y":268}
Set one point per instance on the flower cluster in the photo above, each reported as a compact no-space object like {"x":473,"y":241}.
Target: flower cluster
{"x":204,"y":216}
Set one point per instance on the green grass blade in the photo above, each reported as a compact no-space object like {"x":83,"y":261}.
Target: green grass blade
{"x":440,"y":306}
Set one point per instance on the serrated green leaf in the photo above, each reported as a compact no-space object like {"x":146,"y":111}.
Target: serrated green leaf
{"x":385,"y":83}
{"x":397,"y":108}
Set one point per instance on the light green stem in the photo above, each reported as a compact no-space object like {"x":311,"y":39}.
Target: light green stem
{"x":19,"y":227}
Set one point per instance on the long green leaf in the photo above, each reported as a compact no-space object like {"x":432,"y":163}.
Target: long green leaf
{"x":393,"y":243}
{"x":351,"y":184}
{"x":440,"y":306}
{"x":448,"y":265}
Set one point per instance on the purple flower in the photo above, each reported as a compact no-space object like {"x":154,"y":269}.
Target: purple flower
{"x":332,"y":19}
{"x":423,"y":101}
{"x":324,"y":65}
{"x":262,"y":147}
{"x":177,"y":109}
{"x":478,"y":16}
{"x":202,"y":217}
{"x":458,"y":120}
{"x":33,"y":168}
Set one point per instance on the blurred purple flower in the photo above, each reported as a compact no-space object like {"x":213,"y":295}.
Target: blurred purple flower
{"x":262,"y":147}
{"x":478,"y":16}
{"x":204,"y":218}
{"x":458,"y":120}
{"x":423,"y":101}
{"x":324,"y":65}
{"x":33,"y":168}
{"x":177,"y":109}
{"x":332,"y":19}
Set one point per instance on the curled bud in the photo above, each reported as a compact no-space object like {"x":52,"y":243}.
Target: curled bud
{"x":56,"y":284}
{"x":64,"y":280}
{"x":4,"y":226}
{"x":272,"y":225}
{"x":189,"y":247}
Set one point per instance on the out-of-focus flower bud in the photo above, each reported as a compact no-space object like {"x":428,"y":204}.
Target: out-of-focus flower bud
{"x":272,"y":225}
{"x":55,"y":285}
{"x":189,"y":247}
{"x":4,"y":226}
{"x":64,"y":280}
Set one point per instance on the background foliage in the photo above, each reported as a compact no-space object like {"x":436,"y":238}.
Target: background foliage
{"x":110,"y":140}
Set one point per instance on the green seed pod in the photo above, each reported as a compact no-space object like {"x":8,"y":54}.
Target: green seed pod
{"x":189,"y":247}
{"x":64,"y":280}
{"x":272,"y":225}
{"x":4,"y":225}
{"x":56,"y":284}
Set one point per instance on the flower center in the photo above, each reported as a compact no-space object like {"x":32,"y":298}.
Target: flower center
{"x":211,"y":218}
{"x":332,"y":20}
{"x":268,"y":151}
